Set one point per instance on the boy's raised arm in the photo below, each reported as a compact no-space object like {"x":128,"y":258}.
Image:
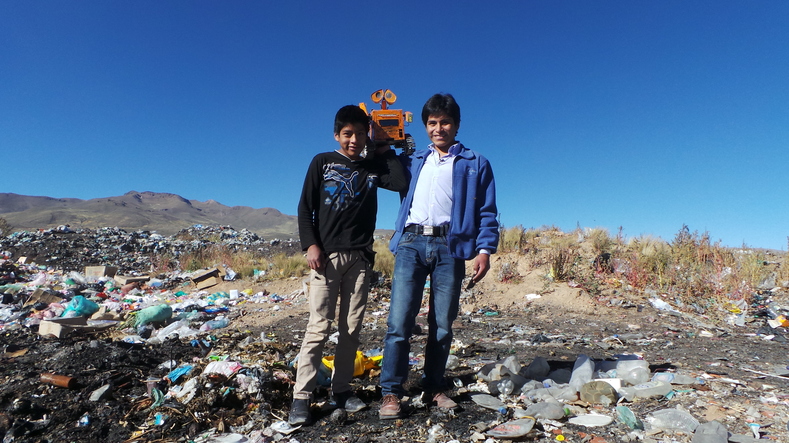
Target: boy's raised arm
{"x":392,"y":174}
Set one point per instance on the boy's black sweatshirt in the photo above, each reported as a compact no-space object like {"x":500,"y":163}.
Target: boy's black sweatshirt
{"x":339,"y":200}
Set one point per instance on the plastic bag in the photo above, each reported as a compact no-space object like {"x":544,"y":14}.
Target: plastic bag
{"x":153,"y":314}
{"x":80,"y":306}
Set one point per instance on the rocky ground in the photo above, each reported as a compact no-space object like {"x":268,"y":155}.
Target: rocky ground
{"x":126,"y":388}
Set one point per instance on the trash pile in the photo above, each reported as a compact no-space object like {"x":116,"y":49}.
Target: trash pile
{"x":70,"y":250}
{"x":103,"y":352}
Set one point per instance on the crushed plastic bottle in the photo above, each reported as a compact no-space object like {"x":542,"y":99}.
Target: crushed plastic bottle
{"x":218,"y":323}
{"x":674,"y":378}
{"x":489,"y":402}
{"x":645,"y":390}
{"x":452,"y":362}
{"x":547,"y":410}
{"x":672,"y":419}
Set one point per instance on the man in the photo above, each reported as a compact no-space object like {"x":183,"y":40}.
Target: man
{"x":447,"y":216}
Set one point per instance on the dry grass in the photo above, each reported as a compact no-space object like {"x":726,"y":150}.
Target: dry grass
{"x":243,"y":262}
{"x":690,"y":270}
{"x":283,"y":266}
{"x":384,"y":259}
{"x":512,"y":239}
{"x":5,"y":228}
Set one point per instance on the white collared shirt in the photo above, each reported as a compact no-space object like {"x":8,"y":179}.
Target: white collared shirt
{"x":432,"y":204}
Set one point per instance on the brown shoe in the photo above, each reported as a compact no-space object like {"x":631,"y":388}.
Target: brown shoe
{"x":442,"y":401}
{"x":390,"y":408}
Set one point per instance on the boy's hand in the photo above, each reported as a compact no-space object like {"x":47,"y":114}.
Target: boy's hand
{"x":481,"y":266}
{"x":315,"y":258}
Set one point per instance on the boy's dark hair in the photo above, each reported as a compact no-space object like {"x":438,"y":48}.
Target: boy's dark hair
{"x":441,"y":104}
{"x":350,"y":114}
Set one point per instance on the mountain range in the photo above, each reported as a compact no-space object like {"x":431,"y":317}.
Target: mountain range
{"x":153,"y":211}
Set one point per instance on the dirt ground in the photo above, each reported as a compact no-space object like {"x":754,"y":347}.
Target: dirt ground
{"x":742,"y":368}
{"x":744,"y":365}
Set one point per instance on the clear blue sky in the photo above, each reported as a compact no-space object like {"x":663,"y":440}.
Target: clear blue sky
{"x":642,"y":114}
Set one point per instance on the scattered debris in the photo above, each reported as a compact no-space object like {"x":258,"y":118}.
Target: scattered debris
{"x":167,"y":360}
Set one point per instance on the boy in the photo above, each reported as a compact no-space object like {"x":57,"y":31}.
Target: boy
{"x":448,"y":216}
{"x":336,"y":223}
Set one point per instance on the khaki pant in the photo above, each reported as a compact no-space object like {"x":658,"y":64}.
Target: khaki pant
{"x":346,"y":275}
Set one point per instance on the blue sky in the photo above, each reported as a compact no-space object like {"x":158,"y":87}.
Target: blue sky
{"x":644,"y":115}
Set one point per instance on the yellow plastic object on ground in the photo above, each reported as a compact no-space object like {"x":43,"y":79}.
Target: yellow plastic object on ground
{"x":361,"y":364}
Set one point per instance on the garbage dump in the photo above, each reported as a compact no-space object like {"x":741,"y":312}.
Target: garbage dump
{"x":94,"y":348}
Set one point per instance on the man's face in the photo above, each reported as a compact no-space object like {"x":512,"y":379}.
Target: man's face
{"x":352,"y":139}
{"x":441,"y":129}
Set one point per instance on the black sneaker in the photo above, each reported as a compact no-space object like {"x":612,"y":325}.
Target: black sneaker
{"x":299,"y":412}
{"x":349,"y":402}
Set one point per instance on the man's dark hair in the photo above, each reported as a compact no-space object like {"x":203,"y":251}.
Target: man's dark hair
{"x":441,"y":104}
{"x":349,"y":115}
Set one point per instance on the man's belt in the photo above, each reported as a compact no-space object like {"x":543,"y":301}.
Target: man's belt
{"x":432,"y":231}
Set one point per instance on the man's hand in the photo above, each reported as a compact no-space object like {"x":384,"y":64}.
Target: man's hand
{"x":316,"y":259}
{"x":481,"y":266}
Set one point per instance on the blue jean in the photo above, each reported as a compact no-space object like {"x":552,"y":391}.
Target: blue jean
{"x":417,"y":258}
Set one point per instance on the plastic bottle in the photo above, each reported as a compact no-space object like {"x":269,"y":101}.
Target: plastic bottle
{"x":489,"y":402}
{"x":672,"y":419}
{"x":506,"y":386}
{"x":547,"y":410}
{"x":554,"y":393}
{"x":582,"y":372}
{"x":645,"y":390}
{"x":633,"y":372}
{"x":674,"y":378}
{"x":629,"y":368}
{"x":711,"y":432}
{"x":452,"y":362}
{"x":218,"y":323}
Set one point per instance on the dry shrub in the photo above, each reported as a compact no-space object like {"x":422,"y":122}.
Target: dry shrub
{"x":600,"y":240}
{"x":783,"y":271}
{"x":512,"y":239}
{"x":5,"y":228}
{"x":562,"y":254}
{"x":649,"y":259}
{"x":693,"y":271}
{"x":384,"y":259}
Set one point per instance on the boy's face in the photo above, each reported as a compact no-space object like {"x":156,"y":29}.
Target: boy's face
{"x":352,"y":139}
{"x":441,"y":129}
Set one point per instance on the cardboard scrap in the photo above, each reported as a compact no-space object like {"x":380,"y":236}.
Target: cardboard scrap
{"x":208,"y":278}
{"x":100,"y":271}
{"x":43,"y":295}
{"x":59,"y":327}
{"x":123,"y":279}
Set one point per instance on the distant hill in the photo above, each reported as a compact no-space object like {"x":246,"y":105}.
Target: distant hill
{"x":152,"y":211}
